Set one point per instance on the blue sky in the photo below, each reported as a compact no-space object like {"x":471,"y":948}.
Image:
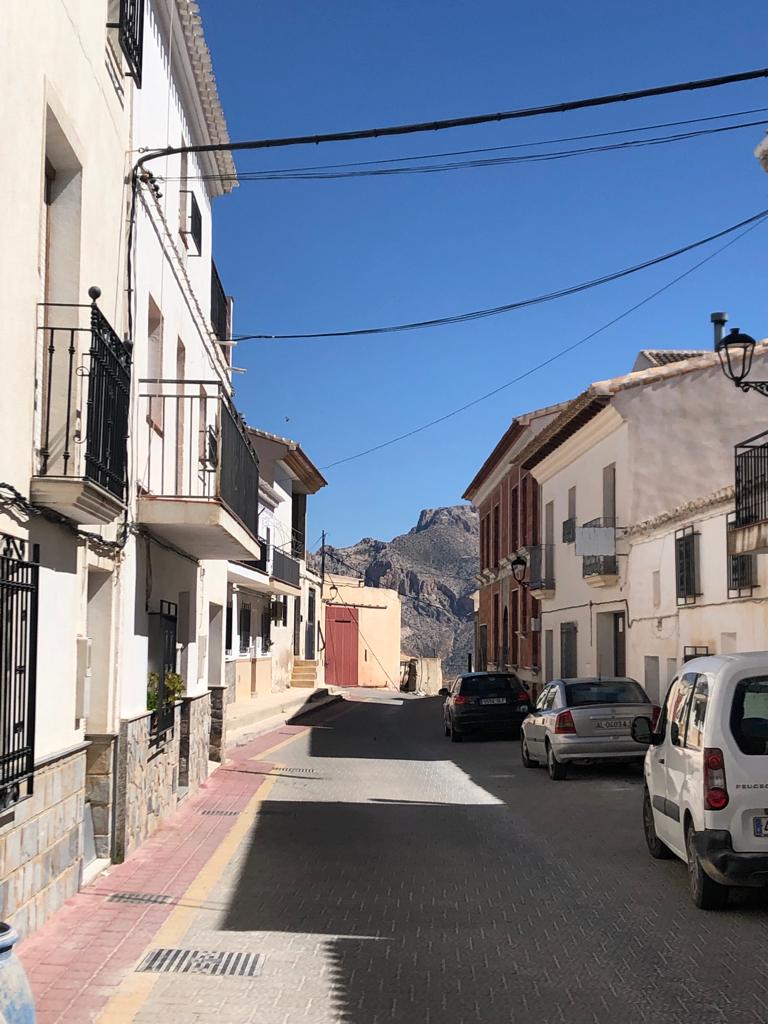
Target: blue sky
{"x":327,"y":255}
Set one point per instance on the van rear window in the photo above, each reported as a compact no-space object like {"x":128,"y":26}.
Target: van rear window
{"x":749,"y":715}
{"x":614,"y":691}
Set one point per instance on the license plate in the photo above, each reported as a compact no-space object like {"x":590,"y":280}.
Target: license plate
{"x":494,"y":700}
{"x":612,"y":723}
{"x":760,"y":827}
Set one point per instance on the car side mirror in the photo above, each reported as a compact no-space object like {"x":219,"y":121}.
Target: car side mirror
{"x":443,"y":691}
{"x":642,"y":731}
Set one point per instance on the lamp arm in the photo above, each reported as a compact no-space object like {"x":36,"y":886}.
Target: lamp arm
{"x":761,"y":386}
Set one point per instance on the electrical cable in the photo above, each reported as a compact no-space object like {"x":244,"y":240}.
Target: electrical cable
{"x":509,"y":307}
{"x":493,"y":149}
{"x":319,"y":174}
{"x":551,"y":359}
{"x":458,"y":122}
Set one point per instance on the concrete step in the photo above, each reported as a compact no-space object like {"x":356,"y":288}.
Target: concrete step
{"x":260,"y":714}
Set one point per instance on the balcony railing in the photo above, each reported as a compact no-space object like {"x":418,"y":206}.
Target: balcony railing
{"x":195,"y":446}
{"x":751,"y":478}
{"x":130,"y":34}
{"x":599,"y":565}
{"x":541,"y":567}
{"x":86,"y":396}
{"x":219,"y":306}
{"x":285,"y":568}
{"x":262,"y":563}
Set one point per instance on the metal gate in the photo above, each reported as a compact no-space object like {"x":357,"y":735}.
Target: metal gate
{"x":162,"y":660}
{"x":19,"y":577}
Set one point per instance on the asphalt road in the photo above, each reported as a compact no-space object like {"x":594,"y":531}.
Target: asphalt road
{"x":423,"y":881}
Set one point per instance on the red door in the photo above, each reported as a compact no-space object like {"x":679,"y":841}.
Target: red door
{"x":341,"y":628}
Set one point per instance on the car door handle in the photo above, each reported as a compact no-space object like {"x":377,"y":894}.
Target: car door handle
{"x":661,"y":760}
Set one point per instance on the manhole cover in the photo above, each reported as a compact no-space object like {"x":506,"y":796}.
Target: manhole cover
{"x":202,"y":961}
{"x":222,"y":814}
{"x":140,"y":897}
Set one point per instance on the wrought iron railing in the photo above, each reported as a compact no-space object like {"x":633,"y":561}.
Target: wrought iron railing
{"x":541,"y":567}
{"x":751,"y":478}
{"x":195,"y":445}
{"x":285,"y":568}
{"x":86,"y":398}
{"x":599,"y":565}
{"x":219,"y":306}
{"x":741,"y":569}
{"x":130,"y":34}
{"x":18,"y":667}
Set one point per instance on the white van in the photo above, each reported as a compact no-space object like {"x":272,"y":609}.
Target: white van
{"x":706,"y":775}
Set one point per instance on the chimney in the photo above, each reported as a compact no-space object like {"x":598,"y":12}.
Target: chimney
{"x":719,"y":321}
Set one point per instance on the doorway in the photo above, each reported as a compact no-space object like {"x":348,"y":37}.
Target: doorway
{"x":309,"y":637}
{"x":342,"y":629}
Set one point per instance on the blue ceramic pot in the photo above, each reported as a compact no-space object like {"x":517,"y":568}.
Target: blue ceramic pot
{"x":16,"y":1005}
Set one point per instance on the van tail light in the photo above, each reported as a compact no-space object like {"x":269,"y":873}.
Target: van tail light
{"x":564,"y":723}
{"x":715,"y":789}
{"x":655,"y":715}
{"x":462,"y":700}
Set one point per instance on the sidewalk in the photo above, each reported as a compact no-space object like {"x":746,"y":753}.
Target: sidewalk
{"x":79,"y":958}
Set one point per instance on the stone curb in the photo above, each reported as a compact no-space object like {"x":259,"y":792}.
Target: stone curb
{"x":282,"y":718}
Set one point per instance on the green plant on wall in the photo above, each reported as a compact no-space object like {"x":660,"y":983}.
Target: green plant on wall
{"x":174,"y":688}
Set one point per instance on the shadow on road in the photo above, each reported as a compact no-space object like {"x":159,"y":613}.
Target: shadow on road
{"x":535,"y":903}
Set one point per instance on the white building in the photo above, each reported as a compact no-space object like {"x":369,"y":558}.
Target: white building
{"x":273,"y":607}
{"x":629,"y":453}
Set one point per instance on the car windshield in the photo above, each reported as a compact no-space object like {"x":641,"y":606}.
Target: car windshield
{"x":608,"y":691}
{"x":483,"y":686}
{"x":749,"y":715}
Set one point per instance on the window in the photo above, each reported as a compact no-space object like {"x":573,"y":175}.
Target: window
{"x":568,"y":654}
{"x":524,"y":528}
{"x":192,"y":227}
{"x":541,"y":703}
{"x":656,"y":588}
{"x":749,"y":715}
{"x":495,"y":639}
{"x":651,"y":680}
{"x":678,"y":705}
{"x":625,"y":691}
{"x":689,"y":653}
{"x":549,"y":654}
{"x":155,"y":366}
{"x":127,"y":17}
{"x":569,"y":524}
{"x":685,"y":565}
{"x":496,"y":535}
{"x":515,"y":644}
{"x":609,"y":495}
{"x":514,"y":520}
{"x":694,"y":737}
{"x":741,"y":569}
{"x":552,"y":698}
{"x":244,"y":620}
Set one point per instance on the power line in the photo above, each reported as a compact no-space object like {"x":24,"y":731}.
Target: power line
{"x":546,"y":362}
{"x":509,"y":307}
{"x":364,"y":170}
{"x":490,"y":149}
{"x":458,"y":122}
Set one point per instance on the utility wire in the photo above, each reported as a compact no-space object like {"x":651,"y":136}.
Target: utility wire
{"x":557,"y":355}
{"x":458,"y":122}
{"x":485,"y":149}
{"x":509,"y":307}
{"x":365,"y":171}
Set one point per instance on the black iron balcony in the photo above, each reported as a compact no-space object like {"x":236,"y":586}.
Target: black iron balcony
{"x":751,"y":479}
{"x":541,"y":569}
{"x":260,"y":564}
{"x":130,"y":34}
{"x":86,"y":375}
{"x":199,"y":474}
{"x":285,"y":568}
{"x":219,"y":306}
{"x":599,"y":565}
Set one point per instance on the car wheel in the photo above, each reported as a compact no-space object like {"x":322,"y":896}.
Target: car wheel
{"x":657,"y":849}
{"x":557,"y":770}
{"x":706,"y":893}
{"x":456,"y":737}
{"x":527,"y":760}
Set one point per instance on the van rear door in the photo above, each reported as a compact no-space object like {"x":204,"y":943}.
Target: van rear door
{"x":745,"y":742}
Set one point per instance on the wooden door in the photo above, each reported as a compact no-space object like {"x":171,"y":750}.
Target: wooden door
{"x":341,"y":628}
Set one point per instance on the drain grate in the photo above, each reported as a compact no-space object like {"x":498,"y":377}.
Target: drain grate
{"x":293,"y":771}
{"x":202,"y":961}
{"x":222,"y":814}
{"x":141,"y":897}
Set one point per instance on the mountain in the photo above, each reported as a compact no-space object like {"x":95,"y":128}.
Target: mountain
{"x":432,"y":567}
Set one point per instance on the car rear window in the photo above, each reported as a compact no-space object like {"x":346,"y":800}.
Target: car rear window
{"x":477,"y":686}
{"x":618,"y":691}
{"x":749,"y":715}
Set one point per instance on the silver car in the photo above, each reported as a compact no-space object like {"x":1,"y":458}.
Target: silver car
{"x":584,"y":720}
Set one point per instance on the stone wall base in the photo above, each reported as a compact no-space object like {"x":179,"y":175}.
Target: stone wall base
{"x":195,"y":740}
{"x":41,"y":845}
{"x":100,"y":789}
{"x":218,"y":728}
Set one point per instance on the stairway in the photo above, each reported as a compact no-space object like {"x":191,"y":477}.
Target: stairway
{"x":304,"y":674}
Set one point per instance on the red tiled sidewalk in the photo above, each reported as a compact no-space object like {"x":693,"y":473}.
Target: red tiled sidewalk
{"x":79,"y":957}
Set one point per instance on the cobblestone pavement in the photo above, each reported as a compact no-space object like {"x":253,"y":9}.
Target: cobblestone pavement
{"x":389,"y":875}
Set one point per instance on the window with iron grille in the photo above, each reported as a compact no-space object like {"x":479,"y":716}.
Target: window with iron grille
{"x":689,"y":653}
{"x":686,"y":575}
{"x":18,"y":667}
{"x":130,"y":33}
{"x":741,"y":569}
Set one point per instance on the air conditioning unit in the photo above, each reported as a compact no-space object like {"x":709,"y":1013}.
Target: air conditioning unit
{"x":535,"y":625}
{"x":83,"y":690}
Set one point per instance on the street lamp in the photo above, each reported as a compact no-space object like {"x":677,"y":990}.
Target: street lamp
{"x":518,"y":566}
{"x":736,"y":351}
